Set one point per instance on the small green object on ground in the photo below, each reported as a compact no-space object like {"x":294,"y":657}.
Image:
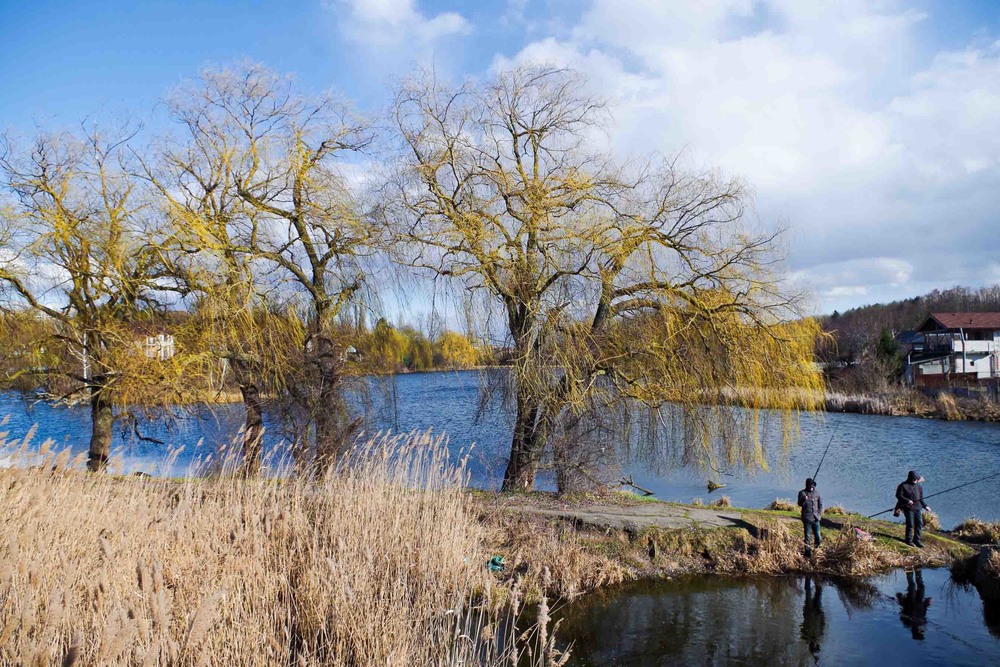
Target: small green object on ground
{"x":495,"y":564}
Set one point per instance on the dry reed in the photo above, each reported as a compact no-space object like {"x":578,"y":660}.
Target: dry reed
{"x":721,"y":503}
{"x":782,"y":505}
{"x":379,"y":563}
{"x":978,"y":532}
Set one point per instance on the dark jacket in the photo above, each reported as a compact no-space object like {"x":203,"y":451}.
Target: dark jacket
{"x":908,"y":491}
{"x":811,"y":504}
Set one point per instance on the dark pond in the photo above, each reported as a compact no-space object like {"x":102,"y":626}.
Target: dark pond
{"x":903,"y":618}
{"x":869,"y":455}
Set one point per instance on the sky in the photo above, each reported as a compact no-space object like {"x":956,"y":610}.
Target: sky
{"x":868,"y":129}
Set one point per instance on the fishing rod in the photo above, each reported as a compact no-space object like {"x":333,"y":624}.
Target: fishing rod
{"x":975,"y":481}
{"x":832,"y":435}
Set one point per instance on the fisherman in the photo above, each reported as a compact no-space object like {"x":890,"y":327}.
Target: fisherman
{"x":812,"y":510}
{"x":910,"y":500}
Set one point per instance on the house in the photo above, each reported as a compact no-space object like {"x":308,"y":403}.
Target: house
{"x":153,"y":334}
{"x":160,"y":346}
{"x":956,"y":350}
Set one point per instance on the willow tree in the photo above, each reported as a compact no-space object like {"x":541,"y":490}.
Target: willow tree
{"x":80,"y":249}
{"x":207,"y":249}
{"x":277,"y":156}
{"x":638,"y":283}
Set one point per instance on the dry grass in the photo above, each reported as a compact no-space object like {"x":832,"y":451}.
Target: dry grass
{"x":931,"y":520}
{"x":778,"y":548}
{"x":721,"y":502}
{"x":946,"y":407}
{"x":578,"y":561}
{"x":836,"y":510}
{"x":991,"y":564}
{"x":978,"y":532}
{"x":782,"y":505}
{"x":379,"y":564}
{"x":775,"y":549}
{"x":875,"y":404}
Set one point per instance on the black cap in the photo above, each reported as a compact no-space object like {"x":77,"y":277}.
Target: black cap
{"x":810,"y":482}
{"x":912,"y":476}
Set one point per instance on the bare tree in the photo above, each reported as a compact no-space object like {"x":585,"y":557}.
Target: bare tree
{"x":615,"y":284}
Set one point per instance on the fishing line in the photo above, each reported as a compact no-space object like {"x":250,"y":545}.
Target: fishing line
{"x":832,"y":435}
{"x":975,"y":481}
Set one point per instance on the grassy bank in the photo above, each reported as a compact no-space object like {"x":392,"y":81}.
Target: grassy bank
{"x":584,"y":556}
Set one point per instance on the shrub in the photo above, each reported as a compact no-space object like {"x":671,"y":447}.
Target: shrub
{"x":836,"y":510}
{"x":721,"y":502}
{"x":932,"y":520}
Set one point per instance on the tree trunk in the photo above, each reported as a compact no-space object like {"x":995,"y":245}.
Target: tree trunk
{"x":525,"y":448}
{"x":102,"y":418}
{"x":253,"y":429}
{"x":327,"y":433}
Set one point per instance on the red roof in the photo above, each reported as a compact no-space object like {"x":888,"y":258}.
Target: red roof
{"x":967,"y":320}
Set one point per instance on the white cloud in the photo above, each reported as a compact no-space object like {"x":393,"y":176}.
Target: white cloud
{"x":882,"y":162}
{"x":380,"y":24}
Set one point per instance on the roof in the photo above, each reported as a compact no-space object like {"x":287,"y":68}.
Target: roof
{"x":963,"y":320}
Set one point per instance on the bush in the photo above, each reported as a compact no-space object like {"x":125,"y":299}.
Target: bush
{"x":931,"y":520}
{"x":836,"y":510}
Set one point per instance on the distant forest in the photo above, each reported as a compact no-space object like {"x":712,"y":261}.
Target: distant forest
{"x":855,"y":333}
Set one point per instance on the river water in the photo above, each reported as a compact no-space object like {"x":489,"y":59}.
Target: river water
{"x":903,"y":618}
{"x":868,"y":457}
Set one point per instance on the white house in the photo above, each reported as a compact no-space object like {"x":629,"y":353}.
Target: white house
{"x":959,"y":348}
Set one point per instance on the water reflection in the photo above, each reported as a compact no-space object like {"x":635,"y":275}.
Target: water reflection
{"x":913,"y":604}
{"x":705,"y":620}
{"x":813,"y":619}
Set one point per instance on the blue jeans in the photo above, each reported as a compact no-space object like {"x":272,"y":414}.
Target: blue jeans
{"x":814,"y":527}
{"x":914,"y":524}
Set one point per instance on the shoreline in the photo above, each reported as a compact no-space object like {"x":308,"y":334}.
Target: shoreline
{"x":592,"y":542}
{"x":910,"y":403}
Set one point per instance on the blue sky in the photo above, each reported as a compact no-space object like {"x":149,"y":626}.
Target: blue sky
{"x":868,"y":128}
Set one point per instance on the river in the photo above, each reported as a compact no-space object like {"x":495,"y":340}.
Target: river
{"x":909,"y":618}
{"x":868,"y":457}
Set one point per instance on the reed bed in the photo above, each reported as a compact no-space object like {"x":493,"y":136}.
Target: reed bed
{"x":379,"y":563}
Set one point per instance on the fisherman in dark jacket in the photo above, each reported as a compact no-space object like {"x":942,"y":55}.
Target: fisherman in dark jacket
{"x":812,"y":511}
{"x":910,"y":499}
